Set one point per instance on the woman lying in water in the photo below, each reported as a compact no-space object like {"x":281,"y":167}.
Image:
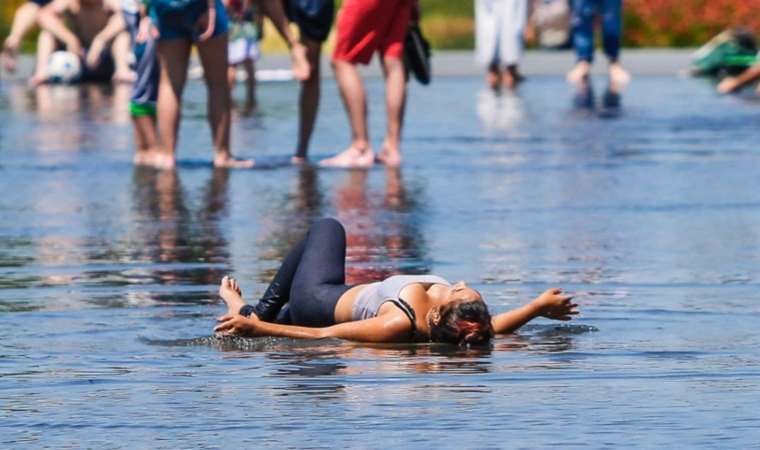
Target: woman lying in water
{"x":402,"y":308}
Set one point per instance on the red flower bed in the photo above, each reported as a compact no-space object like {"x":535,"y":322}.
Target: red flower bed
{"x":663,"y":23}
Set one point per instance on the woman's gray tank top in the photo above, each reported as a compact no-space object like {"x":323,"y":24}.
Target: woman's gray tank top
{"x":372,"y":297}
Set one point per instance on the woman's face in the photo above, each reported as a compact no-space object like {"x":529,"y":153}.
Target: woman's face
{"x":461,"y":292}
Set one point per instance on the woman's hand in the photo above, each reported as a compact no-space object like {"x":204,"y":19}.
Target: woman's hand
{"x":553,"y":304}
{"x":237,"y":324}
{"x":146,"y":30}
{"x":210,"y":18}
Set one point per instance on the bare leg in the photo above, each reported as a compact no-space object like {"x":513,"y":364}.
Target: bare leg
{"x":512,"y":77}
{"x":359,"y":154}
{"x":308,"y":101}
{"x":45,"y":48}
{"x":146,"y":140}
{"x":250,"y":84}
{"x":395,"y":102}
{"x":24,"y":19}
{"x":229,"y":290}
{"x":213,"y":55}
{"x":276,"y":13}
{"x":120,"y":50}
{"x":232,"y":77}
{"x":173,"y":56}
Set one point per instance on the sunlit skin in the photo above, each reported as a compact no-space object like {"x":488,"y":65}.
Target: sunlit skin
{"x":95,"y":25}
{"x":391,"y":324}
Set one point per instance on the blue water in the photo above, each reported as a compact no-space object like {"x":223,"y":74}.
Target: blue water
{"x":649,"y":212}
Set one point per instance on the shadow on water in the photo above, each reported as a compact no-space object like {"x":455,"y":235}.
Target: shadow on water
{"x":383,"y":224}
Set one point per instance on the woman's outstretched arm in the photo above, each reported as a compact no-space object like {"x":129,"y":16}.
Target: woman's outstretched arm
{"x":552,"y":304}
{"x":385,"y":328}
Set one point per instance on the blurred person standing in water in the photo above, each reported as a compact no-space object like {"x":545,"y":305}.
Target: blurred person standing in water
{"x":584,"y":13}
{"x":244,"y":50}
{"x":499,"y":26}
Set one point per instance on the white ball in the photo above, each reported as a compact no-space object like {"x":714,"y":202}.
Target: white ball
{"x":64,"y":67}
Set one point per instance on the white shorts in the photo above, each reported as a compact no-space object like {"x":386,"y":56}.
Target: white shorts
{"x":241,"y":49}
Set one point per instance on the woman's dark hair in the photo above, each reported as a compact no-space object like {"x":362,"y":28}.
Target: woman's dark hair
{"x":463,"y":322}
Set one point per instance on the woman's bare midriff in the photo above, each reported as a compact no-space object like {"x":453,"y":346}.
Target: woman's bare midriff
{"x":344,"y":307}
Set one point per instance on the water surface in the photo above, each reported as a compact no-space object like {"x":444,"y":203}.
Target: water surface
{"x":646,"y":207}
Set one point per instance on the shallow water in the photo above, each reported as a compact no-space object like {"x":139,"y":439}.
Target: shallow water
{"x":648,"y":211}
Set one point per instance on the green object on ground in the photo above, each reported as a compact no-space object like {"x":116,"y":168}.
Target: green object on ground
{"x":731,"y":51}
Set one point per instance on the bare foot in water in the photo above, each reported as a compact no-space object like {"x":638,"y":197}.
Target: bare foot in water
{"x":298,"y":160}
{"x":8,"y":55}
{"x":390,"y":155}
{"x":493,"y":79}
{"x":351,"y":158}
{"x":579,"y":74}
{"x":230,"y":291}
{"x":619,"y":77}
{"x":227,"y":161}
{"x":301,"y":67}
{"x":142,"y":158}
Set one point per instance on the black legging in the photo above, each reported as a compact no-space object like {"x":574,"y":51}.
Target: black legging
{"x":311,"y":279}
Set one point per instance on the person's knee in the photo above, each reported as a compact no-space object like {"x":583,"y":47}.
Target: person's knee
{"x":327,"y":224}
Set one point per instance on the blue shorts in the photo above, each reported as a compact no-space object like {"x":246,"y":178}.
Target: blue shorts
{"x":181,"y":23}
{"x":41,"y":3}
{"x":313,"y":17}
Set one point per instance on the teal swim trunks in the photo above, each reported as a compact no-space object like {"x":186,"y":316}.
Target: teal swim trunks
{"x":178,"y":19}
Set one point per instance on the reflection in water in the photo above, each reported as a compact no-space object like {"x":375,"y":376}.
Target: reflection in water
{"x":383,"y":233}
{"x":69,"y":114}
{"x":502,"y":111}
{"x":584,"y":101}
{"x":189,"y":244}
{"x":382,"y":228}
{"x":290,"y":220}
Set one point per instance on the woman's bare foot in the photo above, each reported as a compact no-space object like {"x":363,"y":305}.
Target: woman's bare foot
{"x":619,"y":77}
{"x":493,"y":79}
{"x":227,"y":161}
{"x":230,"y":291}
{"x":579,"y":74}
{"x":351,"y":157}
{"x":8,"y":55}
{"x":727,"y":85}
{"x":301,"y":67}
{"x":142,"y":158}
{"x":390,"y":155}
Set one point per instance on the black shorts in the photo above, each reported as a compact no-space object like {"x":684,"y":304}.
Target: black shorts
{"x":313,"y":17}
{"x":41,"y":3}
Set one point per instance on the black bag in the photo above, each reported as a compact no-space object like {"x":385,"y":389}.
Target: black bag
{"x":417,"y":54}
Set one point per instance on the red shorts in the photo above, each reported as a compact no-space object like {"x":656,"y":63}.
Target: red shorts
{"x":367,"y":26}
